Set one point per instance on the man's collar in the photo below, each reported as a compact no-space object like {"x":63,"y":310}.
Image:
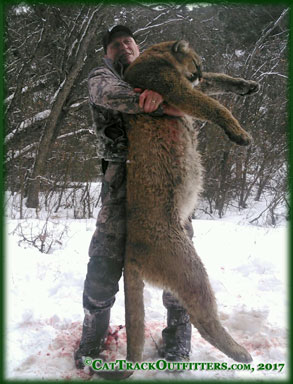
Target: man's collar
{"x":118,"y":68}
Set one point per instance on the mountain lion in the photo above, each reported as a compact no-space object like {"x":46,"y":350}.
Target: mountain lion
{"x":164,"y":179}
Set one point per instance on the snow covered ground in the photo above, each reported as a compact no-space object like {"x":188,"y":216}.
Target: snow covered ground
{"x":247,"y":265}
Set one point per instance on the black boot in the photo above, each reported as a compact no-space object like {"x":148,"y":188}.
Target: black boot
{"x":94,"y":333}
{"x":177,"y":335}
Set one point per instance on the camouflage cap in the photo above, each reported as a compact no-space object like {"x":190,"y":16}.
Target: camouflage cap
{"x":108,"y":35}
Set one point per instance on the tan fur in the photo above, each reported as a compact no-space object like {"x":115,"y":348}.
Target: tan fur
{"x":166,"y":68}
{"x":164,"y":179}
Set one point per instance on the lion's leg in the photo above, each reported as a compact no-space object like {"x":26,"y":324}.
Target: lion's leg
{"x":185,"y":276}
{"x":197,"y":104}
{"x":219,"y":83}
{"x":178,"y":92}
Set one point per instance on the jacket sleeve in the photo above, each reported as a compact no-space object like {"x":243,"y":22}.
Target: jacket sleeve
{"x":110,"y":92}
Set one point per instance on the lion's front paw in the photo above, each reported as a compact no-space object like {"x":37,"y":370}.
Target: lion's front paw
{"x":243,"y":139}
{"x":238,"y":136}
{"x":247,"y":87}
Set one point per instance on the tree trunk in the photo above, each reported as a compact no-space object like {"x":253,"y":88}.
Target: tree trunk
{"x":225,"y":171}
{"x":51,"y":126}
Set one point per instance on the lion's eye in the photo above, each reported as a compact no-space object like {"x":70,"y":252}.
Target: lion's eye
{"x":198,"y":71}
{"x":193,"y":77}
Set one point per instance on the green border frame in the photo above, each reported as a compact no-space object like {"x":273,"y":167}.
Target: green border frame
{"x":3,"y":3}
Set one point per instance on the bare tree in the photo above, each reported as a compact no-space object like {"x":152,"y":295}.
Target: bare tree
{"x":52,"y":127}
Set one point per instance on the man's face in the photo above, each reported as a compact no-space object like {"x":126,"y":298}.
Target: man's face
{"x":123,"y":48}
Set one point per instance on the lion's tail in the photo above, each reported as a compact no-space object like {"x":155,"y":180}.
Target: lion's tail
{"x":134,"y":318}
{"x":186,"y":277}
{"x":134,"y":312}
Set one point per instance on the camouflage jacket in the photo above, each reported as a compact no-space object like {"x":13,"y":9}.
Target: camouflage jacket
{"x":110,"y":97}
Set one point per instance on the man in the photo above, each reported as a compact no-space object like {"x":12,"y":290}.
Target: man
{"x":110,"y":98}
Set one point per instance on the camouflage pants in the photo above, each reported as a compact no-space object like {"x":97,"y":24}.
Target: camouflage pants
{"x":106,"y":253}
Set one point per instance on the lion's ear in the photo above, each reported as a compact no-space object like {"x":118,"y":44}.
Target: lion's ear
{"x":181,"y":46}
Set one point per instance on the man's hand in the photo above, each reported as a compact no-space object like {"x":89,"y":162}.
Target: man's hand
{"x":149,"y":101}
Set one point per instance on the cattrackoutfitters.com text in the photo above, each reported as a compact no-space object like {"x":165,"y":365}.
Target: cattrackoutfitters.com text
{"x":162,"y":365}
